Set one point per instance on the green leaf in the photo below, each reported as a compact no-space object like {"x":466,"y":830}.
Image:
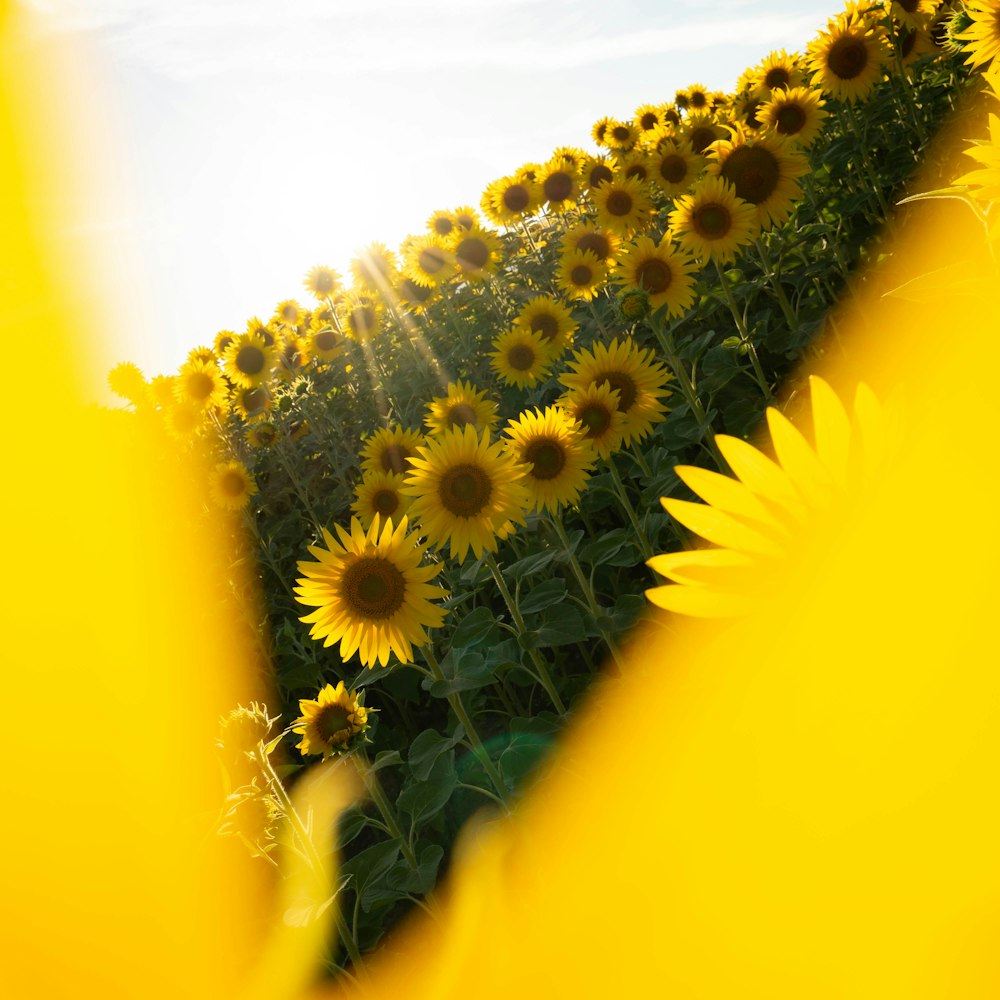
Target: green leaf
{"x":370,"y":863}
{"x":543,"y":595}
{"x":563,"y":626}
{"x":422,"y":800}
{"x":473,"y":628}
{"x":425,"y":750}
{"x":534,"y":563}
{"x":352,"y":822}
{"x":604,"y":546}
{"x":421,"y":881}
{"x":463,"y":669}
{"x":386,"y":758}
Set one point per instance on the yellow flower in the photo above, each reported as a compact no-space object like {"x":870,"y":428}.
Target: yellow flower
{"x":332,"y":722}
{"x":462,"y":405}
{"x":560,"y":184}
{"x":601,"y":242}
{"x":623,"y":205}
{"x":846,"y":59}
{"x":555,"y":452}
{"x":983,"y":35}
{"x":510,"y":199}
{"x":374,"y":269}
{"x":467,"y":492}
{"x":231,"y":486}
{"x":797,"y":114}
{"x":323,"y":282}
{"x":251,"y":402}
{"x":371,"y":592}
{"x":287,"y":314}
{"x":675,"y":166}
{"x":580,"y":274}
{"x":249,"y":360}
{"x":712,"y":221}
{"x":620,"y":135}
{"x":222,"y":340}
{"x":595,"y":408}
{"x":596,"y":170}
{"x":779,"y":71}
{"x":477,"y":253}
{"x":426,"y":260}
{"x":757,"y":521}
{"x":360,"y":315}
{"x":127,"y":381}
{"x":701,"y":130}
{"x":638,"y":378}
{"x":441,"y":223}
{"x":520,"y":356}
{"x":325,"y":343}
{"x":201,"y":384}
{"x":261,"y":435}
{"x":390,"y":449}
{"x":661,"y":271}
{"x":380,"y":493}
{"x":553,"y":320}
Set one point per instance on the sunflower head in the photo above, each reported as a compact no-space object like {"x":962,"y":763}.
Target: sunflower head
{"x":323,"y":282}
{"x":660,"y":271}
{"x":601,"y":242}
{"x":333,"y":723}
{"x":581,"y":275}
{"x":374,"y":268}
{"x":390,"y":449}
{"x":623,"y":205}
{"x":201,"y":384}
{"x":250,"y":359}
{"x":595,"y":408}
{"x":509,"y":199}
{"x":380,"y":493}
{"x":847,"y":58}
{"x":795,"y":114}
{"x":520,"y":356}
{"x":261,"y":435}
{"x":463,"y":404}
{"x":231,"y":485}
{"x":360,"y":316}
{"x":127,"y":381}
{"x":675,"y":166}
{"x":712,"y":222}
{"x":441,"y":224}
{"x":548,"y":316}
{"x":476,"y":252}
{"x":633,"y":304}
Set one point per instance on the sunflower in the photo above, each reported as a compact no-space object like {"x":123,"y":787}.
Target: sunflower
{"x":549,"y":317}
{"x":675,"y":166}
{"x":222,"y":340}
{"x":477,"y":253}
{"x":570,"y":156}
{"x":520,"y":357}
{"x":426,"y":261}
{"x":555,"y":452}
{"x":595,"y":408}
{"x":697,"y":97}
{"x":261,"y":435}
{"x":560,"y":184}
{"x":913,"y":14}
{"x":360,"y":316}
{"x":126,"y":380}
{"x":622,"y":205}
{"x":846,"y":59}
{"x":779,"y":71}
{"x":413,"y":296}
{"x":184,"y":420}
{"x":762,"y":170}
{"x":466,"y":218}
{"x":757,"y":519}
{"x":206,"y":355}
{"x":322,"y":282}
{"x":256,"y":327}
{"x":984,"y":183}
{"x":701,"y":131}
{"x":293,"y":355}
{"x":249,"y":361}
{"x":251,"y":402}
{"x":390,"y":449}
{"x":287,"y":313}
{"x":712,"y":221}
{"x":914,"y":44}
{"x":161,"y":390}
{"x":462,"y":405}
{"x":648,"y":118}
{"x":379,"y":493}
{"x":659,"y":270}
{"x":335,"y":722}
{"x":746,"y":111}
{"x":982,"y":36}
{"x":636,"y":164}
{"x":324,"y":342}
{"x":374,"y":268}
{"x":796,"y":114}
{"x":580,"y":274}
{"x":201,"y":384}
{"x":596,"y":170}
{"x":467,"y":492}
{"x":599,"y":130}
{"x":371,"y":593}
{"x":510,"y":199}
{"x":231,"y":486}
{"x":441,"y":223}
{"x":602,"y":243}
{"x":621,"y":136}
{"x":638,"y":378}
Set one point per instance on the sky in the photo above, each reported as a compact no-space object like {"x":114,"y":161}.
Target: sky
{"x":245,"y":141}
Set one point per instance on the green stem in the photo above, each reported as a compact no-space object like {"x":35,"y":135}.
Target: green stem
{"x":616,"y":478}
{"x":377,"y":792}
{"x":791,"y":318}
{"x":744,"y":335}
{"x":855,"y":127}
{"x":544,"y":678}
{"x":458,"y":707}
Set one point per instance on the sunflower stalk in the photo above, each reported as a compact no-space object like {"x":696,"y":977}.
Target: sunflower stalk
{"x":771,"y":273}
{"x":626,"y":504}
{"x":745,"y":340}
{"x":542,"y":671}
{"x":849,"y":115}
{"x":373,"y":784}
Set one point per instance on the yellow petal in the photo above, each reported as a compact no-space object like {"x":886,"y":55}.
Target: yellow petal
{"x":720,"y":528}
{"x":831,"y":429}
{"x":726,"y":493}
{"x":753,"y":468}
{"x":799,"y":460}
{"x":699,"y":602}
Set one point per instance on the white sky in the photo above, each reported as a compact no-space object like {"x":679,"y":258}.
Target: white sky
{"x":257,"y":138}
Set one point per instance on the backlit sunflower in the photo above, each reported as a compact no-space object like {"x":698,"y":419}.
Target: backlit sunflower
{"x":161,"y":390}
{"x":222,"y":340}
{"x":580,"y":274}
{"x":520,"y":357}
{"x":847,"y":58}
{"x":639,"y":379}
{"x":466,"y":218}
{"x":206,"y":355}
{"x":623,"y":205}
{"x":601,"y":242}
{"x":360,"y":316}
{"x":762,"y":170}
{"x":267,"y":332}
{"x":636,"y":164}
{"x":914,"y":14}
{"x":712,"y":222}
{"x":293,"y":356}
{"x":560,"y":184}
{"x":249,"y":361}
{"x":675,"y":166}
{"x":599,"y":130}
{"x":261,"y":435}
{"x":201,"y":384}
{"x":779,"y":71}
{"x":701,"y":130}
{"x":251,"y":402}
{"x":557,"y":456}
{"x":763,"y":516}
{"x":477,"y":253}
{"x":184,"y":420}
{"x":414,"y":297}
{"x":390,"y":449}
{"x":649,"y":117}
{"x":746,"y":111}
{"x":796,"y":114}
{"x":620,"y":135}
{"x":595,"y":408}
{"x":596,"y":170}
{"x":467,"y":492}
{"x":982,"y":36}
{"x":380,"y":493}
{"x":441,"y":223}
{"x":325,"y":343}
{"x":426,"y":261}
{"x":374,"y":268}
{"x":463,"y":404}
{"x":322,"y":282}
{"x":126,"y":380}
{"x":287,"y":313}
{"x":698,"y":97}
{"x":371,"y":592}
{"x":510,"y":199}
{"x":552,"y":319}
{"x":334,"y":722}
{"x":659,"y":270}
{"x":231,"y":486}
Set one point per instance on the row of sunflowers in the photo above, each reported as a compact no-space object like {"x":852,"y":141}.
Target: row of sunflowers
{"x":455,"y":464}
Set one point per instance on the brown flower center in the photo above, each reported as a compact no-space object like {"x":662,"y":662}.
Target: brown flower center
{"x":521,"y":357}
{"x":393,"y":458}
{"x":595,"y":417}
{"x":847,"y":57}
{"x":331,"y":720}
{"x":472,"y":254}
{"x":385,"y":502}
{"x":461,"y":414}
{"x":701,"y":137}
{"x":619,"y":203}
{"x":648,"y":121}
{"x":673,"y":168}
{"x":362,"y":320}
{"x":373,"y":587}
{"x":443,"y":225}
{"x":200,"y":385}
{"x":777,"y":77}
{"x":638,"y":171}
{"x":326,"y":340}
{"x":596,"y":243}
{"x":790,"y":119}
{"x":581,"y":275}
{"x":254,"y":400}
{"x":557,"y":186}
{"x":323,"y":283}
{"x":250,"y":360}
{"x":698,"y":99}
{"x":628,"y":392}
{"x":653,"y":276}
{"x":516,"y":198}
{"x":712,"y":221}
{"x":545,"y":324}
{"x":599,"y":173}
{"x":546,"y":456}
{"x":431,"y":259}
{"x":753,"y":171}
{"x":232,"y":484}
{"x":621,"y":133}
{"x":465,"y":490}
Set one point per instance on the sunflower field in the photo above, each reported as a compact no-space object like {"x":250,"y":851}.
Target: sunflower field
{"x":458,"y":477}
